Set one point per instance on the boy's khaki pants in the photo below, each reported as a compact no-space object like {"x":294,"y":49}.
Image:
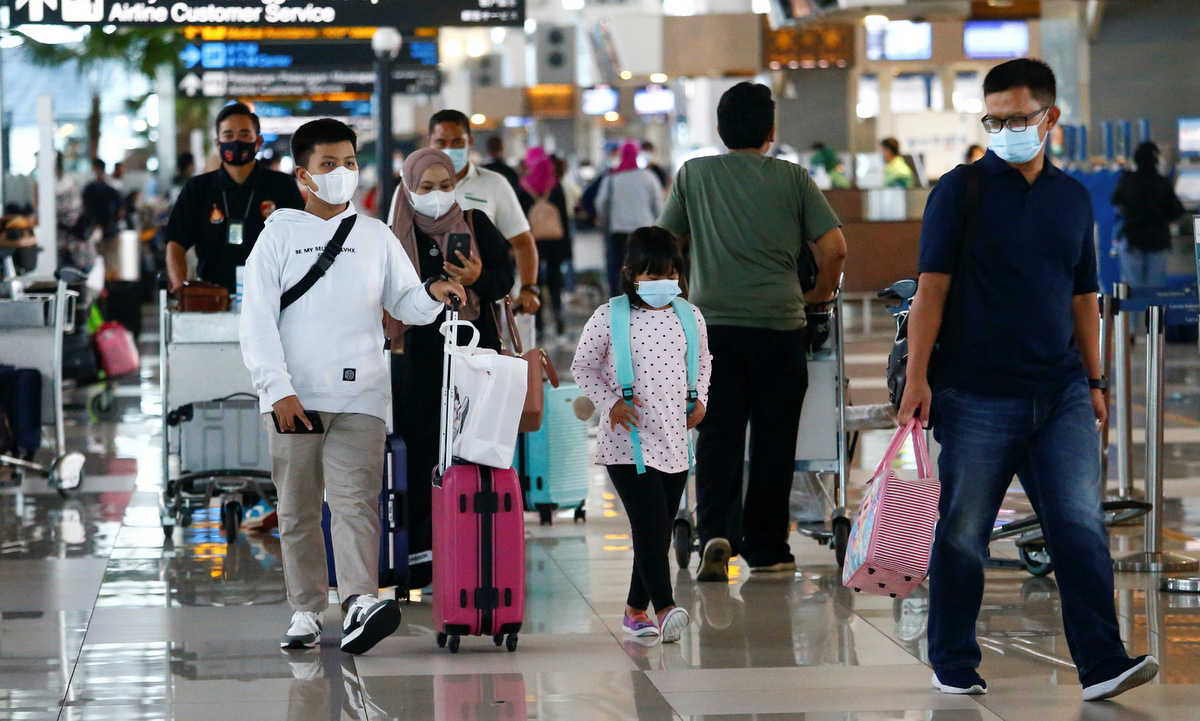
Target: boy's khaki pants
{"x":346,"y":462}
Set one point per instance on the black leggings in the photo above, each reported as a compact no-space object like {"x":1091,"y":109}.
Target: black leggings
{"x":651,"y":502}
{"x":552,"y":254}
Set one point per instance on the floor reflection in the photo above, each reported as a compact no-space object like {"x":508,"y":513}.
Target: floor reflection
{"x":101,"y":617}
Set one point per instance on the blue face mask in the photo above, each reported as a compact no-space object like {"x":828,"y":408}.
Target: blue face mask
{"x":458,"y":156}
{"x":658,"y":293}
{"x":1019,"y":147}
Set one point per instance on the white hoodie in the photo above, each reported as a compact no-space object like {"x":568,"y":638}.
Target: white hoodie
{"x":327,"y":347}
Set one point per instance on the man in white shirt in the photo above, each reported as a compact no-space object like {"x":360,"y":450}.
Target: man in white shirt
{"x":486,"y":190}
{"x":316,"y":358}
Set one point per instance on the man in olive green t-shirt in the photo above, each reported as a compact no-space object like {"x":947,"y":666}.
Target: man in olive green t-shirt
{"x":745,"y":216}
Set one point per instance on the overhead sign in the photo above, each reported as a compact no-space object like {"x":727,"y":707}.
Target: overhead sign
{"x":282,"y":69}
{"x":320,"y":54}
{"x":389,"y":13}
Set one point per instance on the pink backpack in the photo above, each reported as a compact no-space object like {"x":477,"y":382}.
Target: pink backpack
{"x":545,"y":223}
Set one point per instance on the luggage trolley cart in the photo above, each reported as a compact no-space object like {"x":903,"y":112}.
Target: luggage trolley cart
{"x":32,"y":327}
{"x":214,"y":443}
{"x":821,"y":448}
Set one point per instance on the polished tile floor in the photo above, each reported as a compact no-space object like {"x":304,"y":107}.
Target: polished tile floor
{"x":102,"y":619}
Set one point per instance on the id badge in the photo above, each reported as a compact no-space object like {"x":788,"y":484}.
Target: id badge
{"x":234,"y":233}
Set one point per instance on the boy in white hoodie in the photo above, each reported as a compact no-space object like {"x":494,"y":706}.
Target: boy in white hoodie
{"x":319,"y":366}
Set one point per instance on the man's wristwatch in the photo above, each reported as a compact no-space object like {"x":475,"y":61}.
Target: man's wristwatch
{"x":429,"y":283}
{"x":1098,"y":384}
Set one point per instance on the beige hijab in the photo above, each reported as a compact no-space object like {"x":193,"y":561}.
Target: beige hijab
{"x":406,"y":220}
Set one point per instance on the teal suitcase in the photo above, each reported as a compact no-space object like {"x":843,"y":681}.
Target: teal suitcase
{"x":554,"y":462}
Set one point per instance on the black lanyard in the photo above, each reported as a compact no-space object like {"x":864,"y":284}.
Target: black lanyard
{"x":246,"y":214}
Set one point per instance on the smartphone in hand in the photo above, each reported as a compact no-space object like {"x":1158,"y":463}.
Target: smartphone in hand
{"x":458,"y":243}
{"x":313,"y":417}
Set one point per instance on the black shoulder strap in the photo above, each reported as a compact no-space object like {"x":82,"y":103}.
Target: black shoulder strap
{"x":971,"y":207}
{"x":330,"y":254}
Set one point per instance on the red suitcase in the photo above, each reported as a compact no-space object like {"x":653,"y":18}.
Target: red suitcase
{"x":116,"y":349}
{"x":478,"y":540}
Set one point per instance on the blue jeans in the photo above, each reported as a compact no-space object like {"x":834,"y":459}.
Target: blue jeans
{"x":1050,"y":443}
{"x":1144,"y":268}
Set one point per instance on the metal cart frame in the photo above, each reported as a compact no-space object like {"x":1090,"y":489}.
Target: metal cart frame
{"x":34,"y":325}
{"x":200,"y":360}
{"x":826,"y":397}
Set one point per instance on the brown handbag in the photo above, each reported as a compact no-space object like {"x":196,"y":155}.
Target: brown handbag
{"x":198,"y":296}
{"x":539,"y":366}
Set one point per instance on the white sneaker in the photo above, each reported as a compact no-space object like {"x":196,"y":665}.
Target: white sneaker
{"x":368,"y":621}
{"x":305,"y":631}
{"x":673,"y":623}
{"x":306,"y":666}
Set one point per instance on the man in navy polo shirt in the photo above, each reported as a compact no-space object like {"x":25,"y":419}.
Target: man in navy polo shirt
{"x":1015,"y":383}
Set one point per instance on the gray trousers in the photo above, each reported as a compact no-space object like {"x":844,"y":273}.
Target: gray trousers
{"x":346,"y":462}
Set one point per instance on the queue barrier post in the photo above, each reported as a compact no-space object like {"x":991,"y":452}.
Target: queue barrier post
{"x":1154,"y":559}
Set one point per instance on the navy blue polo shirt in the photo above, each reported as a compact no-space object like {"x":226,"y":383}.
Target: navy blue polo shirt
{"x":1008,"y":329}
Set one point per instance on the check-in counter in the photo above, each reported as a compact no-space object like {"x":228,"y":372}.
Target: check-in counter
{"x":883,"y":232}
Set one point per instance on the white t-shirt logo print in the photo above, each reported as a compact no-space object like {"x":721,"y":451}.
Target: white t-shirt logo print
{"x":348,"y":375}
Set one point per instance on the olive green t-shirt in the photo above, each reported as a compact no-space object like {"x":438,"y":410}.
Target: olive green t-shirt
{"x":747,"y":216}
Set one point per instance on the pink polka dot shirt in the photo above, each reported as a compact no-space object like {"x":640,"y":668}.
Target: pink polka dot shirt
{"x":659,"y":351}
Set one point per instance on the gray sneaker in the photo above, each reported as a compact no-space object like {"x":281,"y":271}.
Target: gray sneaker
{"x":781,"y":567}
{"x":714,"y":562}
{"x":305,"y":631}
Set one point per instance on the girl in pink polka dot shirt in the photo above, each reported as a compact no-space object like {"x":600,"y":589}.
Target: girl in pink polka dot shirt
{"x":659,"y":411}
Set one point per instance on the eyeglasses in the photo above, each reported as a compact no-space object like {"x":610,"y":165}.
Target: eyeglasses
{"x":1016,"y":124}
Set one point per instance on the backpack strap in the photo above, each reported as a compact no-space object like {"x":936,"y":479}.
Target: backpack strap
{"x":691,"y":332}
{"x":622,"y":353}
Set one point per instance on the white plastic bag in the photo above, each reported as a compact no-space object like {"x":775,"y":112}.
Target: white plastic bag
{"x":488,"y":401}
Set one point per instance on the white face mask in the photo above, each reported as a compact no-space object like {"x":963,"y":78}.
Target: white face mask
{"x":435,"y":203}
{"x":337,"y":186}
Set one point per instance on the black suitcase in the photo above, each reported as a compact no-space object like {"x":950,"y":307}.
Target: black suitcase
{"x":122,"y":302}
{"x":393,"y":525}
{"x":21,"y":396}
{"x":79,"y":357}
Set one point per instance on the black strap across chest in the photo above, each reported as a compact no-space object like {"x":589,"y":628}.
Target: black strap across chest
{"x":315,"y":273}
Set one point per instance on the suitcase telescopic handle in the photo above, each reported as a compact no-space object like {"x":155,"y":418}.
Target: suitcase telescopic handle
{"x":446,"y":440}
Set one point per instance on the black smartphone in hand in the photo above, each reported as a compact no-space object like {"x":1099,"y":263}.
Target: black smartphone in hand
{"x":458,"y":243}
{"x":313,"y":417}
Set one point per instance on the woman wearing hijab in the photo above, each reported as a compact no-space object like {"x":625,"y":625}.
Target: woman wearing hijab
{"x":426,"y":214}
{"x":538,"y":188}
{"x":629,"y":198}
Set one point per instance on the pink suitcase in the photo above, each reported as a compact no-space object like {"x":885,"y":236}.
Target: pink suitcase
{"x":486,"y":697}
{"x":117,"y":351}
{"x":478,"y":541}
{"x":890,"y":541}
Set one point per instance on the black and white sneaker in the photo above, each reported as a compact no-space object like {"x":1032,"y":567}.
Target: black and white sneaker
{"x":1116,"y":676}
{"x":305,"y":631}
{"x":368,"y":621}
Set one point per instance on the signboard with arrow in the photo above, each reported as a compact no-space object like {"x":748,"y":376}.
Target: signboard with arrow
{"x":390,"y":13}
{"x":298,"y":69}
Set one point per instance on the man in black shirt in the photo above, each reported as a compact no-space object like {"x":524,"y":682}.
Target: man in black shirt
{"x":221,"y":213}
{"x":1016,"y":382}
{"x":102,"y":209}
{"x":653,"y":167}
{"x":1148,"y":205}
{"x":497,"y":164}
